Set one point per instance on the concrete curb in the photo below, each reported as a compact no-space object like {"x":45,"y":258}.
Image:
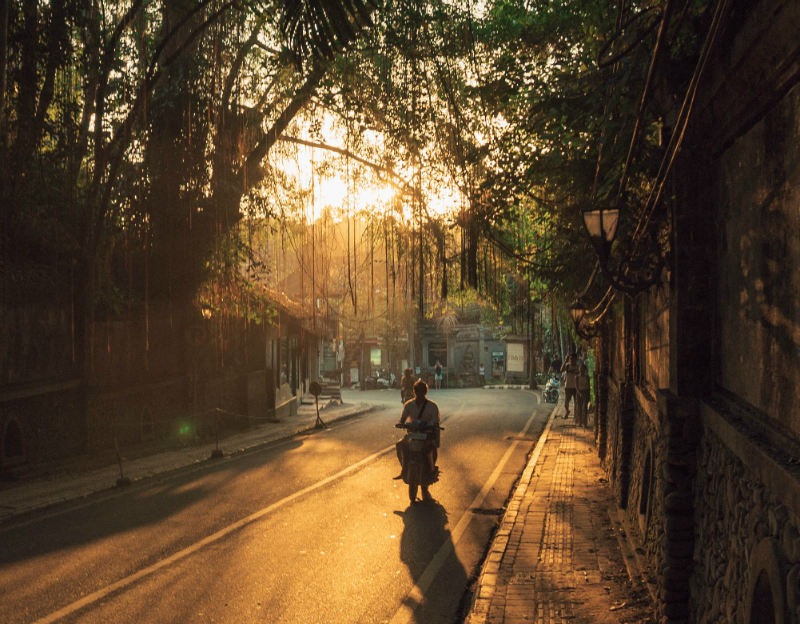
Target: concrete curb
{"x":487,"y":579}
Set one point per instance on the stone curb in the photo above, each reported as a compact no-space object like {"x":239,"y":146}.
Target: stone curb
{"x":487,"y":579}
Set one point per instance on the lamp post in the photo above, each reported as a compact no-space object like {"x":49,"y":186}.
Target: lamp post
{"x":601,"y":224}
{"x":577,"y":311}
{"x":633,"y":273}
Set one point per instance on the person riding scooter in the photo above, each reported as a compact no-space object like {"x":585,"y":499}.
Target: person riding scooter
{"x":415,"y":410}
{"x":407,"y":385}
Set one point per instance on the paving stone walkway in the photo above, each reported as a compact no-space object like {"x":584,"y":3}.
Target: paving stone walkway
{"x":557,"y":556}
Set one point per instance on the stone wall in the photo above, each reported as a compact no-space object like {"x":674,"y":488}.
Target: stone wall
{"x":720,"y":526}
{"x":168,"y":411}
{"x":41,"y":423}
{"x":759,"y":247}
{"x":747,"y":555}
{"x":615,"y":459}
{"x":136,"y":414}
{"x":651,"y":460}
{"x":648,"y":453}
{"x":36,"y":344}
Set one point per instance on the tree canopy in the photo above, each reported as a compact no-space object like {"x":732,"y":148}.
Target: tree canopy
{"x":138,"y":134}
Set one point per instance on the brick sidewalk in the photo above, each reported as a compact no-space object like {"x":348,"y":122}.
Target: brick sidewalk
{"x":557,"y":556}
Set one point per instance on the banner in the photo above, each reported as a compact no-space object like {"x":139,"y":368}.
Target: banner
{"x":515,"y":357}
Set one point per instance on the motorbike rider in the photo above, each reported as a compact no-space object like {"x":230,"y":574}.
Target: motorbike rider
{"x":407,"y":385}
{"x":418,"y":409}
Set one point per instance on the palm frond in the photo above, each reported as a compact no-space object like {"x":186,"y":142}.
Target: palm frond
{"x":320,"y":28}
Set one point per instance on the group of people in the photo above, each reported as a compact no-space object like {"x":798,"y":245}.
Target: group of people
{"x":576,"y":388}
{"x":417,"y":407}
{"x":408,"y":379}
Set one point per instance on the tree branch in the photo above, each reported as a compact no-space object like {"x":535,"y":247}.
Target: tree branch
{"x":402,"y":185}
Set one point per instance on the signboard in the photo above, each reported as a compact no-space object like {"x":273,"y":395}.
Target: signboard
{"x":515,"y":357}
{"x":375,"y":357}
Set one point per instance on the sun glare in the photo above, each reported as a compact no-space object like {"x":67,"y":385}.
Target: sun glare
{"x":329,"y":181}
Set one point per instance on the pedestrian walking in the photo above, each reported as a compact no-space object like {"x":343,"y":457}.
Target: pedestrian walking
{"x":570,"y":374}
{"x":555,"y":365}
{"x":481,"y":376}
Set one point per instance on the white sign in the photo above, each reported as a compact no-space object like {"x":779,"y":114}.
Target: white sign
{"x":515,"y":357}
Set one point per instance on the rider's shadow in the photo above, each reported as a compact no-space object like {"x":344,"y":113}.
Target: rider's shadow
{"x":427,"y":542}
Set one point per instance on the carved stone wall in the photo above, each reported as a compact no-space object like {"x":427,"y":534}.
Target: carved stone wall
{"x":617,"y":456}
{"x":747,"y":554}
{"x":659,"y":470}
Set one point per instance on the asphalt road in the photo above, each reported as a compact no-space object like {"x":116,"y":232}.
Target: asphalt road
{"x":311,"y":529}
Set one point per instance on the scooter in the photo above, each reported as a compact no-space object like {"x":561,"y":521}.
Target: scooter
{"x":551,"y":390}
{"x":419,"y":469}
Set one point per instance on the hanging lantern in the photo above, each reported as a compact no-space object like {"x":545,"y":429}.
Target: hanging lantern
{"x":601,"y":224}
{"x":577,"y":311}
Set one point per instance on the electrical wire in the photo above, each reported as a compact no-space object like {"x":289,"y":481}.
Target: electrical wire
{"x":682,"y":122}
{"x":676,"y":139}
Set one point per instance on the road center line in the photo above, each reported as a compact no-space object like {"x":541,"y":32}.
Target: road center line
{"x":415,"y":596}
{"x":215,"y":537}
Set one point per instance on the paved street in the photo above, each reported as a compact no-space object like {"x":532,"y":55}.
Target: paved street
{"x":307,"y":529}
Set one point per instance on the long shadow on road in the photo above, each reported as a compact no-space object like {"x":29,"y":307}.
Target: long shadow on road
{"x":427,"y":549}
{"x":146,"y":504}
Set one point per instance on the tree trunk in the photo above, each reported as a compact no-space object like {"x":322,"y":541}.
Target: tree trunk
{"x":3,"y":66}
{"x":472,"y":253}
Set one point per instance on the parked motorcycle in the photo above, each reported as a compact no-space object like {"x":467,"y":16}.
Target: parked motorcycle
{"x":551,"y":390}
{"x":419,"y":470}
{"x":385,"y":379}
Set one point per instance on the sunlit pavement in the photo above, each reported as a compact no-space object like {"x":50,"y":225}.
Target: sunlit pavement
{"x":555,"y":556}
{"x":29,"y":495}
{"x":559,"y":556}
{"x":311,"y":528}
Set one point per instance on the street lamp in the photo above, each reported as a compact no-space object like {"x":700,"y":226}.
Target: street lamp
{"x":577,"y":311}
{"x":601,"y":224}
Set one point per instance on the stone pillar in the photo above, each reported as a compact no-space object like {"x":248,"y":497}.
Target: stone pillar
{"x":680,"y":429}
{"x":693,"y":286}
{"x":601,"y":391}
{"x":626,"y":414}
{"x":692,"y":369}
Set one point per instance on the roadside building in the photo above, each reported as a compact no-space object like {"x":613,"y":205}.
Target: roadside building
{"x":164,"y":378}
{"x":699,"y":376}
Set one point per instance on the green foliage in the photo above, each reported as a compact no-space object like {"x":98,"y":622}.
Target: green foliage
{"x":133,"y":140}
